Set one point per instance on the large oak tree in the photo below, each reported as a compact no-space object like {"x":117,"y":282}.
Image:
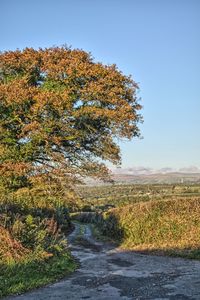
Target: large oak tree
{"x":61,"y":114}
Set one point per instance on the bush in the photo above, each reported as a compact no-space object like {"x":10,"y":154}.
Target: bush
{"x":36,"y":225}
{"x":31,"y":236}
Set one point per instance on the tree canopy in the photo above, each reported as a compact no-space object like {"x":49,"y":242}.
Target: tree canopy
{"x":61,"y":114}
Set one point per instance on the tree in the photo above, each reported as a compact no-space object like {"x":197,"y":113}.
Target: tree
{"x":61,"y":115}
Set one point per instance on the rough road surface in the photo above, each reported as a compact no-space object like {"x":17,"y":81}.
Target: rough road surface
{"x":107,"y":273}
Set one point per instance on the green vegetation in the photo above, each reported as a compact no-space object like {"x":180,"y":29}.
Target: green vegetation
{"x":33,"y":247}
{"x":170,"y":224}
{"x":32,"y":272}
{"x":95,"y":198}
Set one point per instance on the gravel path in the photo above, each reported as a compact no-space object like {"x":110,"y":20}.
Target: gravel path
{"x":107,"y":273}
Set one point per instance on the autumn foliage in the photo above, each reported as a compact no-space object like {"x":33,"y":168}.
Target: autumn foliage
{"x":60,"y":116}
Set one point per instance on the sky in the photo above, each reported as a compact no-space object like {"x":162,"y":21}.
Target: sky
{"x":157,"y":42}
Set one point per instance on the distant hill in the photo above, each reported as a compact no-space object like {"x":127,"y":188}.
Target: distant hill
{"x":148,"y":176}
{"x":170,"y":178}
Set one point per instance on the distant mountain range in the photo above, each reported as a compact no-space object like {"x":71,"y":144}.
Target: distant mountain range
{"x":142,"y":175}
{"x":149,"y":171}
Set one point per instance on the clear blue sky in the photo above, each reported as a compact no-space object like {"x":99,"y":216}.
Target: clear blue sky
{"x":156,"y":41}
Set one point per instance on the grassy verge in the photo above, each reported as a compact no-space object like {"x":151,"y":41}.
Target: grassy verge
{"x":169,"y":227}
{"x":16,"y":278}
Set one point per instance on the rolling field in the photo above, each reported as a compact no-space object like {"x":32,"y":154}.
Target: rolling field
{"x":99,"y":197}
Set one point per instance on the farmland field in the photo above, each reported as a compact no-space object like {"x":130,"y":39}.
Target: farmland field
{"x":101,"y":197}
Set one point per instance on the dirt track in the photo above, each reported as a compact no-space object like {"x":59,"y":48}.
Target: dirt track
{"x":107,"y":273}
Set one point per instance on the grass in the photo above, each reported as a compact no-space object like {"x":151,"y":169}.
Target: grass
{"x":16,"y":278}
{"x":167,"y":226}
